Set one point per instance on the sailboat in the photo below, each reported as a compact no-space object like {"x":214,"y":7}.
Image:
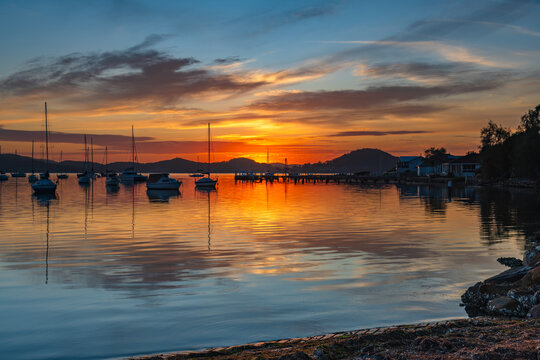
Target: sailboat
{"x":44,"y":185}
{"x":112,"y":177}
{"x":62,"y":175}
{"x":207,"y":182}
{"x":32,"y":178}
{"x":84,"y":177}
{"x":130,"y":174}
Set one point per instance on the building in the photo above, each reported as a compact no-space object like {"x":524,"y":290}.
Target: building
{"x":408,"y":164}
{"x":467,"y":166}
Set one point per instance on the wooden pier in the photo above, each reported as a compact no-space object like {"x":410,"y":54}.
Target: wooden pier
{"x":357,"y":178}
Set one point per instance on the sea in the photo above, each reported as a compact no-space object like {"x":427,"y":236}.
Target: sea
{"x":93,"y":273}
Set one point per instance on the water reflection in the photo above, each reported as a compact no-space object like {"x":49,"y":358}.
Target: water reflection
{"x":162,"y":195}
{"x":246,"y":262}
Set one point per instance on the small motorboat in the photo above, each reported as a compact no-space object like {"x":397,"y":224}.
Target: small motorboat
{"x":196,"y":175}
{"x":112,"y":179}
{"x":18,"y":174}
{"x":32,"y":178}
{"x":3,"y":176}
{"x":162,"y":181}
{"x":62,"y":176}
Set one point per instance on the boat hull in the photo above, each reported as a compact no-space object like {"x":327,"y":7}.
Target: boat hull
{"x":206,"y":183}
{"x":44,"y":186}
{"x":4,"y":177}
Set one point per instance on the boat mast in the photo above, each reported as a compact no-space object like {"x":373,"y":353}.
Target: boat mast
{"x":46,"y":140}
{"x":132,"y":148}
{"x":92,"y":153}
{"x":32,"y":156}
{"x":85,"y":154}
{"x":106,"y":161}
{"x":208,"y":149}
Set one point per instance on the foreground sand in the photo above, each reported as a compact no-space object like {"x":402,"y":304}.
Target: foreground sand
{"x":478,"y":339}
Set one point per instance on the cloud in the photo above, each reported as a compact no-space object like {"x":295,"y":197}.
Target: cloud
{"x":134,"y":74}
{"x":228,"y":60}
{"x":380,"y":98}
{"x":69,"y":138}
{"x":379,"y":133}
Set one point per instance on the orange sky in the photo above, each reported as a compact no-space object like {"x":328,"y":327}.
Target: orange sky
{"x":432,"y":77}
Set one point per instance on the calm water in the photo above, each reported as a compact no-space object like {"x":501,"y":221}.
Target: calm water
{"x":94,"y":274}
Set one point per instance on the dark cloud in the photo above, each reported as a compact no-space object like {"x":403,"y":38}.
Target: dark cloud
{"x":68,"y":138}
{"x":380,"y":133}
{"x":137,"y":73}
{"x":228,"y":60}
{"x":384,"y":99}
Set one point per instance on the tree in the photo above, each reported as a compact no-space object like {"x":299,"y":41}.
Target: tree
{"x":435,"y":153}
{"x":531,"y":120}
{"x":493,"y":134}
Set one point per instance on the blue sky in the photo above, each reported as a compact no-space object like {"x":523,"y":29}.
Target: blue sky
{"x":282,"y":75}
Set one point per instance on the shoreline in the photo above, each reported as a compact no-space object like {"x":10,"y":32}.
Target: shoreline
{"x":467,"y":338}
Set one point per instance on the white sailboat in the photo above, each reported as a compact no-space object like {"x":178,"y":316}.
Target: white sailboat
{"x":44,"y":185}
{"x":207,"y":182}
{"x":130,"y":174}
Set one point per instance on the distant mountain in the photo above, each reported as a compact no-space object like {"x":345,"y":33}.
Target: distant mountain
{"x":373,"y":160}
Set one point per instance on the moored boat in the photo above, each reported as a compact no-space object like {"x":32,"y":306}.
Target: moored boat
{"x":207,"y":182}
{"x":44,"y":185}
{"x":162,"y":181}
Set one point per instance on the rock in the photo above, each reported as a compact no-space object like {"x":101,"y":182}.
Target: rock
{"x":321,"y":354}
{"x":509,"y":276}
{"x":534,"y":313}
{"x":511,"y":262}
{"x":527,"y":297}
{"x":531,"y":257}
{"x":503,"y":305}
{"x":532,"y":278}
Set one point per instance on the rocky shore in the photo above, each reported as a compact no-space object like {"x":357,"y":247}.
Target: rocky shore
{"x":475,"y":339}
{"x":514,"y":292}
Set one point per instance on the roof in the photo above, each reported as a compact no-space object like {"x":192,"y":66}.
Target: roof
{"x":467,"y":159}
{"x":408,"y":158}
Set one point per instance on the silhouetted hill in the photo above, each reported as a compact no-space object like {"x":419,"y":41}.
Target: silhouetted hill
{"x":372,"y":160}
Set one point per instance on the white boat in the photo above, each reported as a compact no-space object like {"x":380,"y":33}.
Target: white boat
{"x":196,"y":175}
{"x":44,"y":185}
{"x":18,"y":175}
{"x":207,"y":182}
{"x":162,"y":181}
{"x":130,"y":174}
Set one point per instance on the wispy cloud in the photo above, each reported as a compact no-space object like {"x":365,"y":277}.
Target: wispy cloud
{"x":379,"y":133}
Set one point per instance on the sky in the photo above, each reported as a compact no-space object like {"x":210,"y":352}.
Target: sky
{"x":302,"y":80}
